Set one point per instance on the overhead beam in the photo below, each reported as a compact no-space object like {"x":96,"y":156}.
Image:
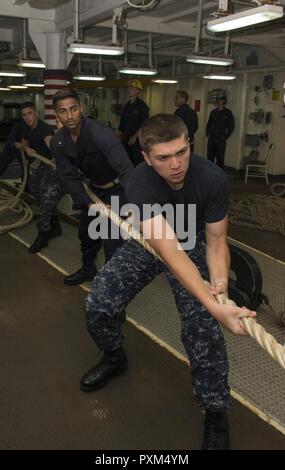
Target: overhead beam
{"x":170,"y":41}
{"x":135,"y":12}
{"x":187,"y":12}
{"x":40,"y":26}
{"x":24,"y":10}
{"x":143,"y":37}
{"x":153,"y":25}
{"x":6,"y":35}
{"x":141,"y":49}
{"x":88,"y":14}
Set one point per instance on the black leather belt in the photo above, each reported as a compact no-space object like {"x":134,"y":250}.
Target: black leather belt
{"x":107,"y":185}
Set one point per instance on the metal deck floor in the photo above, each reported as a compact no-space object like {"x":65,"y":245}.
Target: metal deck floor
{"x":44,"y":350}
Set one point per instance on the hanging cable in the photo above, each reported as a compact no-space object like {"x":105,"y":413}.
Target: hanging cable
{"x":13,"y":204}
{"x":143,"y":4}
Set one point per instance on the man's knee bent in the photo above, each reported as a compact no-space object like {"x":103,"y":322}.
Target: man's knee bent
{"x":94,"y":311}
{"x":103,"y":300}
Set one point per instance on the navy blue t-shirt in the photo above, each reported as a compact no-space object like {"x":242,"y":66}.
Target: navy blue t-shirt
{"x":10,"y":152}
{"x":205,"y":185}
{"x":190,"y":119}
{"x":36,"y":138}
{"x":133,"y":116}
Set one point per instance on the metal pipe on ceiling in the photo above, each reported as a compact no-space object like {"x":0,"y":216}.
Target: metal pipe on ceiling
{"x":227,"y":44}
{"x":24,"y":38}
{"x":150,"y":64}
{"x":126,"y":47}
{"x":199,"y":27}
{"x":76,"y":20}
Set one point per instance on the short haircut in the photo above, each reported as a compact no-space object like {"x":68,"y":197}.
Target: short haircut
{"x":28,"y":104}
{"x":183,"y":94}
{"x":222,"y":98}
{"x":63,"y":94}
{"x":161,"y":128}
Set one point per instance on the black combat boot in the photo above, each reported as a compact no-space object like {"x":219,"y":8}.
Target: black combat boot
{"x":111,"y":364}
{"x":216,"y":431}
{"x":40,"y":242}
{"x":85,"y":273}
{"x":56,"y":229}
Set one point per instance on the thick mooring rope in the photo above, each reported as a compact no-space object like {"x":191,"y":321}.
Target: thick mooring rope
{"x":250,"y":325}
{"x":9,"y":202}
{"x":258,"y":211}
{"x":258,"y":332}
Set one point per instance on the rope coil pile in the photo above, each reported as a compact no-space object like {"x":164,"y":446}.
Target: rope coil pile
{"x":11,"y":203}
{"x":258,"y":211}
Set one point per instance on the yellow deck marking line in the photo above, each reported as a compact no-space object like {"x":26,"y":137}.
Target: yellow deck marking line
{"x":253,"y":408}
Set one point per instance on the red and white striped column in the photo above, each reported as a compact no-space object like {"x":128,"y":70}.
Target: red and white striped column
{"x":54,"y":80}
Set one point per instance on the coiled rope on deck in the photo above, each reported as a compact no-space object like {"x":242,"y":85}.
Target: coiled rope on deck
{"x":278,"y":189}
{"x":258,"y":211}
{"x":13,"y":203}
{"x":250,"y":325}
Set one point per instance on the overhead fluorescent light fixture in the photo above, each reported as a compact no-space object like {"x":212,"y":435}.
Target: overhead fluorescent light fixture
{"x":33,"y":64}
{"x":12,"y":74}
{"x":212,"y":76}
{"x":80,"y":48}
{"x":92,"y":78}
{"x":4,"y":89}
{"x":138,"y":71}
{"x":209,"y":60}
{"x":242,"y":19}
{"x":35,"y":85}
{"x":169,"y":81}
{"x":18,"y":87}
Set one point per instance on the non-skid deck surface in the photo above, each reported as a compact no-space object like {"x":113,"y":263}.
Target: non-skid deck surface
{"x":44,"y":350}
{"x":253,"y":374}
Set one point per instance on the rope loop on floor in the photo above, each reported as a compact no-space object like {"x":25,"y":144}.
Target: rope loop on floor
{"x":278,"y":189}
{"x":13,"y":203}
{"x":250,"y":325}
